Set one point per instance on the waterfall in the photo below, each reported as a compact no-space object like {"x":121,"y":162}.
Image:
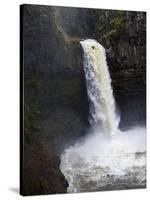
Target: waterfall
{"x":100,"y":93}
{"x":98,"y":162}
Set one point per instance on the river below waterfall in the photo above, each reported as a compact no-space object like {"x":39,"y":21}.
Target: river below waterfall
{"x":98,"y":164}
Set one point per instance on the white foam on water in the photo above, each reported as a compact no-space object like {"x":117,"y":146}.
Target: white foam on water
{"x":99,"y":163}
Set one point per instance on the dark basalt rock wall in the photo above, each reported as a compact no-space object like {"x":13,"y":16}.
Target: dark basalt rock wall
{"x":41,"y":170}
{"x":55,"y":98}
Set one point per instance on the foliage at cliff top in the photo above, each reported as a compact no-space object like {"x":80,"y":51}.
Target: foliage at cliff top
{"x":109,"y":26}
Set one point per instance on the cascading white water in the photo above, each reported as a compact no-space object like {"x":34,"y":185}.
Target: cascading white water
{"x":101,"y":162}
{"x":99,"y":89}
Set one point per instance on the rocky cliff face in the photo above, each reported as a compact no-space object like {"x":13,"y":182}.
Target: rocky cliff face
{"x":56,"y":102}
{"x":123,"y":34}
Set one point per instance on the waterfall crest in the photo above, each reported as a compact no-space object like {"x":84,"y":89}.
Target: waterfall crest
{"x":98,"y":81}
